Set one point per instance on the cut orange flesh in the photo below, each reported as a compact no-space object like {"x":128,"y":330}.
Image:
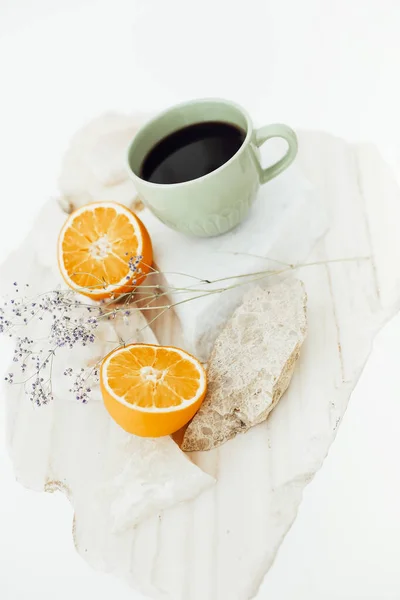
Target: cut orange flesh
{"x":152,"y":390}
{"x":104,"y":250}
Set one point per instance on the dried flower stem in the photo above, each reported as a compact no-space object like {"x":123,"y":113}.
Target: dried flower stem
{"x":73,"y":322}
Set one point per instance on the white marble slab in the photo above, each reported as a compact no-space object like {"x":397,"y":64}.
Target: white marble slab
{"x":285,"y":222}
{"x":221,"y":544}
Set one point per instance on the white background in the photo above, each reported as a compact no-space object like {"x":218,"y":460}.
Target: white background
{"x":320,"y":64}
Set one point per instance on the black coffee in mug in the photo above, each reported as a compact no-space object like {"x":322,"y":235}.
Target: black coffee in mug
{"x":192,"y":152}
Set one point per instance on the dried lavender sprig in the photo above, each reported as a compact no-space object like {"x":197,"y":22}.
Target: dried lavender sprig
{"x":69,"y":331}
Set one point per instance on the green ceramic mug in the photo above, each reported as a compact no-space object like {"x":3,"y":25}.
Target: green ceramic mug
{"x":217,"y":202}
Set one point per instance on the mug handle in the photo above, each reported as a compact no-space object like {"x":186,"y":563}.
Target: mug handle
{"x":270,"y":131}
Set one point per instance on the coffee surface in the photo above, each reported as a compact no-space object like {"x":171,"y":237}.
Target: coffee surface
{"x":192,"y":152}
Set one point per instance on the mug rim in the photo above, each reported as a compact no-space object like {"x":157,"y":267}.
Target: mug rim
{"x":240,"y":109}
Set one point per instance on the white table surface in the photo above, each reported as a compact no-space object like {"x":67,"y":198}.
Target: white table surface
{"x":319,"y":65}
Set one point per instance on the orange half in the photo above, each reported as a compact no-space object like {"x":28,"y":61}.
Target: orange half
{"x":152,"y":391}
{"x":98,"y":247}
